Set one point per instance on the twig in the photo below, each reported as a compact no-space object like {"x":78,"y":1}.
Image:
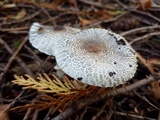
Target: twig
{"x":110,"y":112}
{"x":78,"y":105}
{"x":14,"y":56}
{"x":107,"y":21}
{"x":22,"y":20}
{"x":159,"y":115}
{"x":35,"y":57}
{"x":14,"y":29}
{"x":53,"y":18}
{"x":97,"y":4}
{"x":19,"y":32}
{"x":100,"y":111}
{"x":28,"y":113}
{"x":146,"y":100}
{"x":35,"y":115}
{"x":40,"y":65}
{"x":148,"y":35}
{"x":137,"y":11}
{"x":141,"y":29}
{"x":134,"y":116}
{"x":148,"y":51}
{"x":30,"y":110}
{"x":83,"y":113}
{"x":14,"y":101}
{"x":49,"y":113}
{"x":26,"y":96}
{"x":144,"y":62}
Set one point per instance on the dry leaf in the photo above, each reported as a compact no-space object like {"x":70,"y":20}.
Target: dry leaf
{"x":54,"y":5}
{"x":93,"y":17}
{"x":145,"y":63}
{"x":9,"y":6}
{"x":155,"y":89}
{"x":4,"y":112}
{"x":145,"y":4}
{"x":73,"y":2}
{"x":85,"y":22}
{"x":154,"y":61}
{"x":20,"y":15}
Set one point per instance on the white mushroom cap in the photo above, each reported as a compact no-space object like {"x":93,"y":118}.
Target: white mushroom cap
{"x":44,"y":37}
{"x":96,"y":57}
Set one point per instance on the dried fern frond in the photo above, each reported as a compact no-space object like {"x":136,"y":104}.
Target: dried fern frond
{"x":43,"y":83}
{"x":64,"y":91}
{"x":58,"y":101}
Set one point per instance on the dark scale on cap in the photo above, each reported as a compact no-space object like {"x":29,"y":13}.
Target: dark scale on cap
{"x":115,"y":38}
{"x":111,"y":34}
{"x":121,"y":42}
{"x":79,"y":78}
{"x":130,"y":65}
{"x":132,"y":52}
{"x":115,"y":62}
{"x":41,"y":30}
{"x":58,"y":28}
{"x":111,"y":74}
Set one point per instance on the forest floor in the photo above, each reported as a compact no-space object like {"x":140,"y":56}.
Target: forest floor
{"x":138,"y":22}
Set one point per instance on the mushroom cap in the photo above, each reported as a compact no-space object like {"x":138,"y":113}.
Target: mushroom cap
{"x":96,"y":57}
{"x":44,"y":37}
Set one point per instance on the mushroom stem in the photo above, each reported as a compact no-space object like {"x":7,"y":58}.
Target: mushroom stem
{"x":59,"y":72}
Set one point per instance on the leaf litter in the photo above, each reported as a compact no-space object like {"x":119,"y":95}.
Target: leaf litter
{"x":138,"y":22}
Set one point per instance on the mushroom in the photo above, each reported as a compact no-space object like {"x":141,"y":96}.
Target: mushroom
{"x":94,"y":56}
